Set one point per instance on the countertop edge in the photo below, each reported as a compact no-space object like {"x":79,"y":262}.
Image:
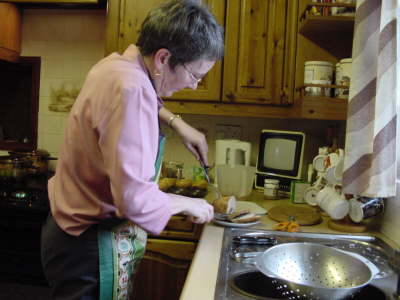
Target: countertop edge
{"x":202,"y":277}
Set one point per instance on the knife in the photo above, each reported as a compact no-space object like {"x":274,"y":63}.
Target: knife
{"x":205,"y":168}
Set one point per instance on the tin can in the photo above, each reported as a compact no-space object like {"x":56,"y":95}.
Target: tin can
{"x":362,"y":208}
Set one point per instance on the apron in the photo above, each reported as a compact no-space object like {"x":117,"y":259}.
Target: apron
{"x":121,"y":247}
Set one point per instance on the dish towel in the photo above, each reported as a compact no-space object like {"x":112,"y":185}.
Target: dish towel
{"x":370,"y":155}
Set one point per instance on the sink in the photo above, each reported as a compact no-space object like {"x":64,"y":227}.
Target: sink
{"x":239,"y":279}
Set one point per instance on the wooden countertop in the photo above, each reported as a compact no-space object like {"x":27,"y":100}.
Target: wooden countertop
{"x":201,"y":280}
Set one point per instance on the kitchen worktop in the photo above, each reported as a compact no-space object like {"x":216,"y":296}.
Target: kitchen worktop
{"x":201,"y":280}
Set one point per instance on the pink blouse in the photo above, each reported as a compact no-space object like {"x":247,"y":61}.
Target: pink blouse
{"x":110,"y":146}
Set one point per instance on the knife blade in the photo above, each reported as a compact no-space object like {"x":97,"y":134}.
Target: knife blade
{"x":205,"y":168}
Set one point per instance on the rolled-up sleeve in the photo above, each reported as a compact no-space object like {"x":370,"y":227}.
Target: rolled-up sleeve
{"x":129,"y":144}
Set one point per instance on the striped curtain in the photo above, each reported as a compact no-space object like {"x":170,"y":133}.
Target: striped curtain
{"x":370,"y":159}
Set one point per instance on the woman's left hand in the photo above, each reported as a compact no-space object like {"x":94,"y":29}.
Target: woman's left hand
{"x":193,"y":139}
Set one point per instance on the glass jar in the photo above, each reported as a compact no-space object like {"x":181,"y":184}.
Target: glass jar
{"x":271,"y":187}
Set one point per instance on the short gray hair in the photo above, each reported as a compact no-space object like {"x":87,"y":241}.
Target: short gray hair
{"x":184,"y":27}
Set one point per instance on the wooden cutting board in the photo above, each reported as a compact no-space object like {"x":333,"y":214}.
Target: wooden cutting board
{"x":346,"y":225}
{"x":303,"y":215}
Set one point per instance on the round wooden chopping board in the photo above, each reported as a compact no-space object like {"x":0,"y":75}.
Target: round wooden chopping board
{"x":346,"y":225}
{"x":302,"y":215}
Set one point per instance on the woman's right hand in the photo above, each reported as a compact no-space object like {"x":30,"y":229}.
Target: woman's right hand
{"x":199,"y":210}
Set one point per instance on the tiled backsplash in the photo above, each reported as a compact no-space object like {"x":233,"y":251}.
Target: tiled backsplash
{"x":69,"y":43}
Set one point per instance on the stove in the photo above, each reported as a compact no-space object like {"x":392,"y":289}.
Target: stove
{"x":24,"y":206}
{"x":238,"y":278}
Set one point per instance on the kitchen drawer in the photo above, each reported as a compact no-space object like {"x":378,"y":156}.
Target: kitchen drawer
{"x":180,"y":227}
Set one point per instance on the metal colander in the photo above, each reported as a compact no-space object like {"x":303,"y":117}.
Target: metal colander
{"x":314,"y":271}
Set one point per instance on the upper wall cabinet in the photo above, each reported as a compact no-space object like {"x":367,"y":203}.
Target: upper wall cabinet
{"x":258,"y":57}
{"x":259,"y":62}
{"x":10,"y":32}
{"x":61,"y":3}
{"x":123,"y":24}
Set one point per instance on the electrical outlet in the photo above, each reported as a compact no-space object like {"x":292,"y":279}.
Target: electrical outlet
{"x":225,"y":131}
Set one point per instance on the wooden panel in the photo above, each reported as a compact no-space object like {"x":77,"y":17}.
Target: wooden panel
{"x":255,"y":37}
{"x":180,"y":227}
{"x":252,"y":42}
{"x":162,"y":272}
{"x":324,"y":108}
{"x":234,"y":109}
{"x":112,"y":26}
{"x":57,"y":1}
{"x":131,"y":16}
{"x":10,"y":32}
{"x":181,"y":250}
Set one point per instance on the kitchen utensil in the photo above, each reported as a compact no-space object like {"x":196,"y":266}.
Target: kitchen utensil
{"x":205,"y":168}
{"x":303,"y":215}
{"x":314,"y":271}
{"x":235,"y":180}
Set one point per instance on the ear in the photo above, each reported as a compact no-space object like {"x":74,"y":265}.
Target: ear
{"x":161,"y":58}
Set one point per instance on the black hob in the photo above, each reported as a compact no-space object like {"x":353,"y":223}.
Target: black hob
{"x":24,"y":207}
{"x":24,"y":198}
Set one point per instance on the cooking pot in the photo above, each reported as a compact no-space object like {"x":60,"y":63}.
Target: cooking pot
{"x":13,"y":167}
{"x":38,"y":159}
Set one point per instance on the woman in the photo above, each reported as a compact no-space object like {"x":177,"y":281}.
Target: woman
{"x":103,"y":196}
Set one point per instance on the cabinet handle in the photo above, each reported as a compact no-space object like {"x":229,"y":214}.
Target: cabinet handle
{"x":284,"y":96}
{"x":230,"y":96}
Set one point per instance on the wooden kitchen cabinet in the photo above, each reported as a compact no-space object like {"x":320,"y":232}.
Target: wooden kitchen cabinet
{"x":260,"y":43}
{"x":162,"y":271}
{"x":258,"y":68}
{"x":124,"y":19}
{"x":10,"y":32}
{"x":61,"y":3}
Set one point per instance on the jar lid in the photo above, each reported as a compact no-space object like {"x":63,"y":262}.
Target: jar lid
{"x":346,"y":60}
{"x":271,"y":181}
{"x":318,"y":62}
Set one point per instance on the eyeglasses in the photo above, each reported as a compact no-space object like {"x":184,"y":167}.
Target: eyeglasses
{"x":194,"y":77}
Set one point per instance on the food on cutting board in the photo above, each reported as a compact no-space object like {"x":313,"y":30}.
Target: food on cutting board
{"x":200,"y":184}
{"x":165,"y":183}
{"x":183,"y":183}
{"x":225,"y":205}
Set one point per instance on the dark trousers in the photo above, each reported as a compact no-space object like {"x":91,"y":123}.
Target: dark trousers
{"x":70,"y":263}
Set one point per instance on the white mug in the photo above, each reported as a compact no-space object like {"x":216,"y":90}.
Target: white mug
{"x":332,"y":176}
{"x":319,"y":162}
{"x":332,"y":201}
{"x":310,"y":195}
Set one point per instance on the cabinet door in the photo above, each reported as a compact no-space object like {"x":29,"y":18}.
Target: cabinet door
{"x":123,"y":25}
{"x":163,"y":270}
{"x":10,"y":32}
{"x":257,"y":37}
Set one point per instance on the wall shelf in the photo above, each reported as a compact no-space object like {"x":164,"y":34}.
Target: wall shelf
{"x":332,"y":33}
{"x":326,"y":108}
